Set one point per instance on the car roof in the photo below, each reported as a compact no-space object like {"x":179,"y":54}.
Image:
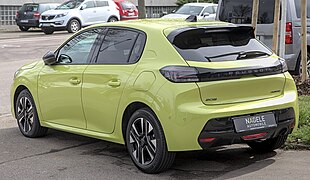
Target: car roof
{"x":166,"y":25}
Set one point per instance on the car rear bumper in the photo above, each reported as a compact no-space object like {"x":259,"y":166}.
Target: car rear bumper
{"x":221,"y":131}
{"x":184,"y":117}
{"x":28,"y":22}
{"x":124,"y":18}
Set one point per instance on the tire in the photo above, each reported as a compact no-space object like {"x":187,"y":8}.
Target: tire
{"x":268,"y":145}
{"x":48,"y":31}
{"x":148,"y":151}
{"x":23,"y":28}
{"x":298,"y":68}
{"x":27,"y":116}
{"x":73,"y":26}
{"x":112,"y":19}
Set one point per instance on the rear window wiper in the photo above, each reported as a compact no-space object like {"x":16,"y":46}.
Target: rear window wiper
{"x":241,"y":55}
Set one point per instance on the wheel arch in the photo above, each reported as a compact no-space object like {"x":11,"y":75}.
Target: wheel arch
{"x":113,"y":16}
{"x":18,"y":90}
{"x":76,"y":18}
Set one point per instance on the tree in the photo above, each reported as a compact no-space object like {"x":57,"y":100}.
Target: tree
{"x":141,"y":9}
{"x":181,"y":2}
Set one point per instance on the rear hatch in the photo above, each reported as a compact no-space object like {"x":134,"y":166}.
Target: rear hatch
{"x":128,"y":9}
{"x":28,"y":11}
{"x":232,"y":66}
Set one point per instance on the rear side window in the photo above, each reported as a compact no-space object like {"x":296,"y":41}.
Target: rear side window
{"x":240,"y":11}
{"x":30,"y":7}
{"x":102,"y":3}
{"x":117,"y":46}
{"x":298,"y":10}
{"x":213,"y":45}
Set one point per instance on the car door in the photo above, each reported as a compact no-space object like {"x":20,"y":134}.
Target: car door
{"x":209,"y":13}
{"x":104,"y":80}
{"x":103,"y":12}
{"x":59,"y":85}
{"x":89,"y":12}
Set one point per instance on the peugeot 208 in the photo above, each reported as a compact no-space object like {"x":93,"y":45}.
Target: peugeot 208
{"x":159,"y":87}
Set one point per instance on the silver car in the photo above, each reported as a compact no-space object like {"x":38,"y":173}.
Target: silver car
{"x":240,"y":12}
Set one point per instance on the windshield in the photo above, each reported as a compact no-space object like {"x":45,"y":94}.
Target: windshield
{"x":70,"y":4}
{"x":189,"y":10}
{"x":221,"y":44}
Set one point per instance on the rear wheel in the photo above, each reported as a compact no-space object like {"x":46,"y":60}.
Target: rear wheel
{"x":27,"y":117}
{"x":48,"y":30}
{"x":73,"y":26}
{"x":268,"y":145}
{"x":23,"y":28}
{"x":146,"y":142}
{"x":112,"y":19}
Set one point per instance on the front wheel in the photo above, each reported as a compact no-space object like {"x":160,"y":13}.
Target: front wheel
{"x":146,"y":142}
{"x":48,"y":31}
{"x":268,"y":145}
{"x":112,"y":19}
{"x":73,"y":26}
{"x":27,"y":116}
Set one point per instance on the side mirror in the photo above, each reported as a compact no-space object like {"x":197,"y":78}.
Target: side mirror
{"x":206,"y":14}
{"x":83,"y":7}
{"x":49,"y":58}
{"x":173,"y":11}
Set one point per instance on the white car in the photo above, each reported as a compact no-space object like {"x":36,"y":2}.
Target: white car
{"x":75,"y":14}
{"x":205,"y":11}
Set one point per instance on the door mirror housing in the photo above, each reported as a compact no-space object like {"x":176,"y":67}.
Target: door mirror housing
{"x":49,"y":58}
{"x":206,"y":14}
{"x":83,"y":7}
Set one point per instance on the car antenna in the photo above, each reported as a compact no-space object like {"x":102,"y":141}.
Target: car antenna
{"x":191,"y":18}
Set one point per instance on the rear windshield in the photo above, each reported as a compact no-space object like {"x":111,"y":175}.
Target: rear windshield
{"x":240,"y":11}
{"x":70,"y":4}
{"x":222,"y":44}
{"x":127,"y":5}
{"x":189,"y":10}
{"x":30,"y":7}
{"x":298,"y":10}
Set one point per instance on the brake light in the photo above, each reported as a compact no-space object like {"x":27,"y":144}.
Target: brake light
{"x":36,"y":14}
{"x":180,"y":74}
{"x":206,"y":140}
{"x":254,"y":136}
{"x":289,"y":33}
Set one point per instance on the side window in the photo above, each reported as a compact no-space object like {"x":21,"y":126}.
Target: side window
{"x":116,"y":47}
{"x":137,"y":49}
{"x":101,"y":3}
{"x":77,"y":50}
{"x":89,"y":4}
{"x":209,"y":10}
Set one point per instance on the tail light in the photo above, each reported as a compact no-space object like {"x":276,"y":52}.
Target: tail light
{"x":17,"y":14}
{"x":289,"y":33}
{"x":185,"y":74}
{"x":36,"y":14}
{"x":254,"y":136}
{"x":206,"y":140}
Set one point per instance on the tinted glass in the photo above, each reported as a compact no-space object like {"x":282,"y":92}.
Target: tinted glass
{"x":30,"y":7}
{"x":190,"y":10}
{"x":240,"y":11}
{"x":70,"y":4}
{"x":77,"y":50}
{"x":116,"y":47}
{"x":217,"y":45}
{"x":90,"y":4}
{"x":102,"y":3}
{"x":137,"y":49}
{"x":298,"y":10}
{"x":127,"y":5}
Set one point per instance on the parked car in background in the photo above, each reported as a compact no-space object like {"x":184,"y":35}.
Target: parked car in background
{"x":240,"y":12}
{"x":127,"y":10}
{"x":75,"y":14}
{"x":28,"y":15}
{"x":158,"y":88}
{"x":205,"y":11}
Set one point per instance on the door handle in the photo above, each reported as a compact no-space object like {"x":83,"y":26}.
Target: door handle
{"x":114,"y":83}
{"x":75,"y":81}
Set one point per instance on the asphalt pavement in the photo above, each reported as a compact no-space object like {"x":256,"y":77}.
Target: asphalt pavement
{"x":61,"y":155}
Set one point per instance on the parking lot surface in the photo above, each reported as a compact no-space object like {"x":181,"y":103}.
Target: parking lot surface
{"x":62,"y":155}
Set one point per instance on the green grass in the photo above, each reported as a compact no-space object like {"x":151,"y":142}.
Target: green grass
{"x":302,"y":134}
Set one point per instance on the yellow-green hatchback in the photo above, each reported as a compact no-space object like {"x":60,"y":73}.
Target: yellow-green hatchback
{"x":159,"y":87}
